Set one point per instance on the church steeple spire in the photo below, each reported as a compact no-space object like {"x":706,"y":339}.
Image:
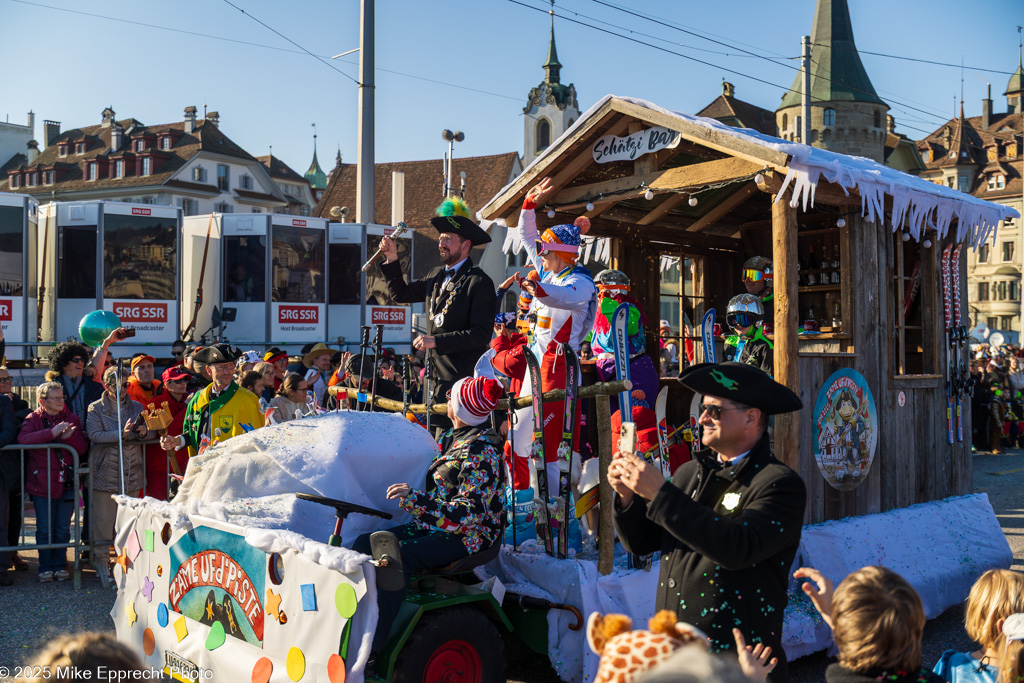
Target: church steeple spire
{"x":552,"y":67}
{"x":315,"y":175}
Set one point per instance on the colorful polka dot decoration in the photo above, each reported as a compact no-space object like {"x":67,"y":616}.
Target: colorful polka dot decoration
{"x":336,"y":669}
{"x":345,"y":600}
{"x":148,"y":642}
{"x":262,"y":670}
{"x":216,"y":636}
{"x":162,"y":615}
{"x":159,"y":570}
{"x":295,"y":664}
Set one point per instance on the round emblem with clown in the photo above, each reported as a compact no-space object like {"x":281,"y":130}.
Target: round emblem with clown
{"x":845,"y":429}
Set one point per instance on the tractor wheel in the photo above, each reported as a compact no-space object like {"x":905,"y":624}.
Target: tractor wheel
{"x":453,"y":645}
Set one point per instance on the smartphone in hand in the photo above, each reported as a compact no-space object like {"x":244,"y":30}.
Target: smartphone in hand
{"x":627,"y":438}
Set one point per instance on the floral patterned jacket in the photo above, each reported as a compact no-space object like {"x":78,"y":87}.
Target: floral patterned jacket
{"x":464,"y":492}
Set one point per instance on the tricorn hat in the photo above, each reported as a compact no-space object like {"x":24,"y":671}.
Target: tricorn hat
{"x":218,"y":353}
{"x":453,"y":216}
{"x":741,"y":383}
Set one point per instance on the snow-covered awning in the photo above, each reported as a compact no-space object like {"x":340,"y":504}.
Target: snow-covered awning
{"x":916,"y":204}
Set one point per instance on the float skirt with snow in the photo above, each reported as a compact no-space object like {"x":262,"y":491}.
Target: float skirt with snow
{"x":235,"y":579}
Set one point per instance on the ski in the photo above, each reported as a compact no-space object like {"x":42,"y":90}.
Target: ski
{"x":620,"y":330}
{"x":957,"y":343}
{"x":537,"y":451}
{"x":660,"y":407}
{"x":707,"y":334}
{"x":947,"y":306}
{"x":569,"y":425}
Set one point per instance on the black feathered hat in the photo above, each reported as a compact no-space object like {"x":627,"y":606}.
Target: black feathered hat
{"x":741,"y":383}
{"x":218,"y":353}
{"x":453,"y":216}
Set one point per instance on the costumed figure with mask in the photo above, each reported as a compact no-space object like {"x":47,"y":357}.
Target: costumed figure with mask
{"x":613,"y":290}
{"x":565,"y":303}
{"x":748,"y":343}
{"x":757,"y":278}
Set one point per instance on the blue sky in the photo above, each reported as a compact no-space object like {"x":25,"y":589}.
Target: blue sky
{"x":68,"y":66}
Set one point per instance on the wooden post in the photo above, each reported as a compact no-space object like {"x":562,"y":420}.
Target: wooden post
{"x":787,"y":312}
{"x":605,"y":532}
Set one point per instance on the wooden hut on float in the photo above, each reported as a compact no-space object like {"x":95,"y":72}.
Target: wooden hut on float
{"x":759,"y":195}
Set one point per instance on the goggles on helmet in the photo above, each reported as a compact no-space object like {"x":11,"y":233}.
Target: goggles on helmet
{"x":739,"y":319}
{"x":751,"y":275}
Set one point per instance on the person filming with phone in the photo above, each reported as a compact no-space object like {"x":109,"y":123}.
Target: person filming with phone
{"x":727,"y":525}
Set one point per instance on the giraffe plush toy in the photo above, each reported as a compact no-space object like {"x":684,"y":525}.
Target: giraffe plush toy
{"x":625,"y":653}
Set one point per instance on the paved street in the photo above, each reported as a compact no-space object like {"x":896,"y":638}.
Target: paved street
{"x":35,"y":612}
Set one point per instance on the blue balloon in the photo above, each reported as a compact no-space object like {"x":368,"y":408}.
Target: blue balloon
{"x":97,"y":326}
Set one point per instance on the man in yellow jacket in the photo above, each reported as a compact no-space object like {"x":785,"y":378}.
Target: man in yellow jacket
{"x":222,"y":409}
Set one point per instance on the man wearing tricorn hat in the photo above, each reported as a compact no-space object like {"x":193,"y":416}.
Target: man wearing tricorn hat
{"x":222,"y":409}
{"x":727,"y":526}
{"x":459,"y":297}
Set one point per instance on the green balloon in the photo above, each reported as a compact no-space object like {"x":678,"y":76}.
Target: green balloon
{"x":97,"y":326}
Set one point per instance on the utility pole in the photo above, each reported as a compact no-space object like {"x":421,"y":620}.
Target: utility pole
{"x":365,"y":170}
{"x":805,"y":100}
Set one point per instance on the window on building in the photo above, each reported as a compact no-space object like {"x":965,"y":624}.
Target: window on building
{"x":189,"y":207}
{"x":993,"y":323}
{"x":223,"y":177}
{"x":90,"y":171}
{"x":147,"y":165}
{"x":140,"y":253}
{"x":878,"y":118}
{"x":1014,"y":290}
{"x":1009,"y":322}
{"x":245,"y":181}
{"x":119,"y":168}
{"x":543,"y":134}
{"x":963,"y":184}
{"x":1007,"y":251}
{"x":915,"y":349}
{"x":15,"y":182}
{"x":165,"y":142}
{"x":991,"y":182}
{"x":983,"y":253}
{"x":199,"y":174}
{"x":256,"y":210}
{"x":62,"y":149}
{"x":1001,"y":290}
{"x":80,"y":147}
{"x":982,"y":291}
{"x":1000,"y":181}
{"x":785,"y":121}
{"x":223,"y":207}
{"x":48,"y":177}
{"x":830,"y":117}
{"x":798,"y":125}
{"x":1011,"y":150}
{"x":140,"y":145}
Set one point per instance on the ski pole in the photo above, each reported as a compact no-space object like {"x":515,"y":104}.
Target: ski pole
{"x":364,"y":345}
{"x":378,"y":340}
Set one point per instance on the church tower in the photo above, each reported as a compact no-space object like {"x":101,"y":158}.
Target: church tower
{"x":847,"y":115}
{"x":551,"y":107}
{"x":315,"y":175}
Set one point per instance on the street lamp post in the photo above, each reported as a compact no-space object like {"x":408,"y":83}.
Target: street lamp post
{"x":452,"y":138}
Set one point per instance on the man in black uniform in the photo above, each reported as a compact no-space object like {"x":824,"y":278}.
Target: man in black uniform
{"x":459,"y":298}
{"x":727,"y":526}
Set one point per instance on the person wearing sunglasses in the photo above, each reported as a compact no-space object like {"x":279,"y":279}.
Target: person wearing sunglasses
{"x":757,"y":279}
{"x":748,"y":343}
{"x":727,"y":525}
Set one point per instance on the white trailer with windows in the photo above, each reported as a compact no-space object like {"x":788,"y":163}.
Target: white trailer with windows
{"x":356,"y":298}
{"x":19,"y":215}
{"x":115,"y":256}
{"x":268,"y":271}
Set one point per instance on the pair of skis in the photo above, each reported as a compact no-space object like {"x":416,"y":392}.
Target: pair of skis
{"x":957,"y":384}
{"x":553,"y":514}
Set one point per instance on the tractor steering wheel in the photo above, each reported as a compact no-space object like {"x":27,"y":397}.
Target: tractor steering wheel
{"x":343,"y":508}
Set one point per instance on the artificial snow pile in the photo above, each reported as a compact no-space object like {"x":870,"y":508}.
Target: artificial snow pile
{"x":251,"y":480}
{"x":917,"y":204}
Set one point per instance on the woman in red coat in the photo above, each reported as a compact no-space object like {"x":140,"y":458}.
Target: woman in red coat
{"x":50,"y":477}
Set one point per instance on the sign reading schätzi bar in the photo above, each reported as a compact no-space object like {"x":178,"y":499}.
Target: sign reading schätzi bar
{"x":613,"y":148}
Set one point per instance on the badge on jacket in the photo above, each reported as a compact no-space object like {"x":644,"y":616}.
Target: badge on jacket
{"x":730,"y":501}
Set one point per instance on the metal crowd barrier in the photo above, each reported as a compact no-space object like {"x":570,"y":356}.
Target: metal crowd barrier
{"x":75,"y":543}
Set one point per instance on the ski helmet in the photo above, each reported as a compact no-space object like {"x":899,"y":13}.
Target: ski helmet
{"x":609,"y":281}
{"x":756,"y":268}
{"x":745,"y":310}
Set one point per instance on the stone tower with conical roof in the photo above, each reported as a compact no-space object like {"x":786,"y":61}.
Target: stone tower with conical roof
{"x":847,"y":115}
{"x":315,"y":175}
{"x":551,"y":107}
